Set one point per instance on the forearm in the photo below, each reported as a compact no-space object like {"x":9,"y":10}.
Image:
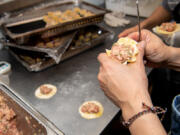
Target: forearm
{"x":148,"y":124}
{"x":173,"y":58}
{"x":159,"y":16}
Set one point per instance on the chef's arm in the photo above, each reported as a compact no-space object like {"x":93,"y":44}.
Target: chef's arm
{"x":159,"y":16}
{"x":148,"y":124}
{"x":128,"y":90}
{"x":157,"y":53}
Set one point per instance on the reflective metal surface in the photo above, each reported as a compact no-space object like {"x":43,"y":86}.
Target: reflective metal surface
{"x":76,"y":80}
{"x":29,"y":121}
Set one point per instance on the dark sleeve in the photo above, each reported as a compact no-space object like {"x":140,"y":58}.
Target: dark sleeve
{"x":165,"y":5}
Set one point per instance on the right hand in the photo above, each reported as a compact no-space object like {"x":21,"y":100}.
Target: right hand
{"x":156,"y":52}
{"x":126,"y":32}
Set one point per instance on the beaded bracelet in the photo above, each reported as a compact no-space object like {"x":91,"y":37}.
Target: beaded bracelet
{"x":155,"y":110}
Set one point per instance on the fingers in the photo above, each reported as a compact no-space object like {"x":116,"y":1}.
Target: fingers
{"x":105,"y":60}
{"x":102,"y":58}
{"x":135,"y":35}
{"x":141,"y":46}
{"x":123,"y":34}
{"x":140,"y":56}
{"x":128,"y":31}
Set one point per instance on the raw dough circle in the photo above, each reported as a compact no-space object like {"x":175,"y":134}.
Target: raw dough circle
{"x":159,"y":31}
{"x":92,"y":115}
{"x":39,"y":95}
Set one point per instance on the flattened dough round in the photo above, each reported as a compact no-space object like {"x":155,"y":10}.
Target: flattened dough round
{"x":123,"y":41}
{"x":39,"y":95}
{"x":92,"y":115}
{"x":159,"y":31}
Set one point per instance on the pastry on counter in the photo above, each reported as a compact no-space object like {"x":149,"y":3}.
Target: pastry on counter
{"x":45,"y":91}
{"x":91,"y":110}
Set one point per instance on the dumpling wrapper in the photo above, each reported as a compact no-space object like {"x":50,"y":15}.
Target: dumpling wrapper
{"x":92,"y":115}
{"x":159,"y":31}
{"x":39,"y":95}
{"x":123,"y":41}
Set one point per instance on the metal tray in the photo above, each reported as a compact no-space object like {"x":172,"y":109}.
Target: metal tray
{"x":29,"y":121}
{"x":55,"y":52}
{"x":10,"y":5}
{"x":48,"y":62}
{"x":22,"y":28}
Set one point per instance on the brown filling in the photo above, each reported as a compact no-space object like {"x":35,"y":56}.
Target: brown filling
{"x":7,"y":119}
{"x":169,"y":27}
{"x":45,"y":90}
{"x":122,"y":52}
{"x":90,"y":108}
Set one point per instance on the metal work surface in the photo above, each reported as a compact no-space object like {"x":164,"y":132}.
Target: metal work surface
{"x":76,"y":80}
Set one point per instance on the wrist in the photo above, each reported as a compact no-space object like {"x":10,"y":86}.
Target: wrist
{"x":132,"y":108}
{"x":165,"y":56}
{"x":173,"y":58}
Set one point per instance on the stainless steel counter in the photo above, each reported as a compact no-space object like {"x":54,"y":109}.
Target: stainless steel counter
{"x":76,"y":80}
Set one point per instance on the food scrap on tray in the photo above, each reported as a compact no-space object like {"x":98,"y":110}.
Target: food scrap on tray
{"x":91,"y":110}
{"x":125,"y":50}
{"x":49,"y":43}
{"x":54,"y":18}
{"x":30,"y":60}
{"x":82,"y":38}
{"x":7,"y":119}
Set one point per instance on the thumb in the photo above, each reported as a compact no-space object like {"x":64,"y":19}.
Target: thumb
{"x":141,"y":48}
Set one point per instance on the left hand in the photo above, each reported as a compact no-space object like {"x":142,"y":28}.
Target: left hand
{"x":125,"y":85}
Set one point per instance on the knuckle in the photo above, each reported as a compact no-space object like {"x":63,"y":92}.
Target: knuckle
{"x":145,"y":31}
{"x":100,"y":56}
{"x":106,"y":65}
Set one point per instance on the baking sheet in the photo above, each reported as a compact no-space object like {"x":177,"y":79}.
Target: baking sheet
{"x":76,"y":81}
{"x":30,"y":25}
{"x":55,"y":52}
{"x":25,"y":122}
{"x":26,"y":116}
{"x":47,"y":62}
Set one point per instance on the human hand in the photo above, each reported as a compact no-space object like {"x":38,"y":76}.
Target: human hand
{"x":125,"y":85}
{"x":155,"y":51}
{"x":128,"y":31}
